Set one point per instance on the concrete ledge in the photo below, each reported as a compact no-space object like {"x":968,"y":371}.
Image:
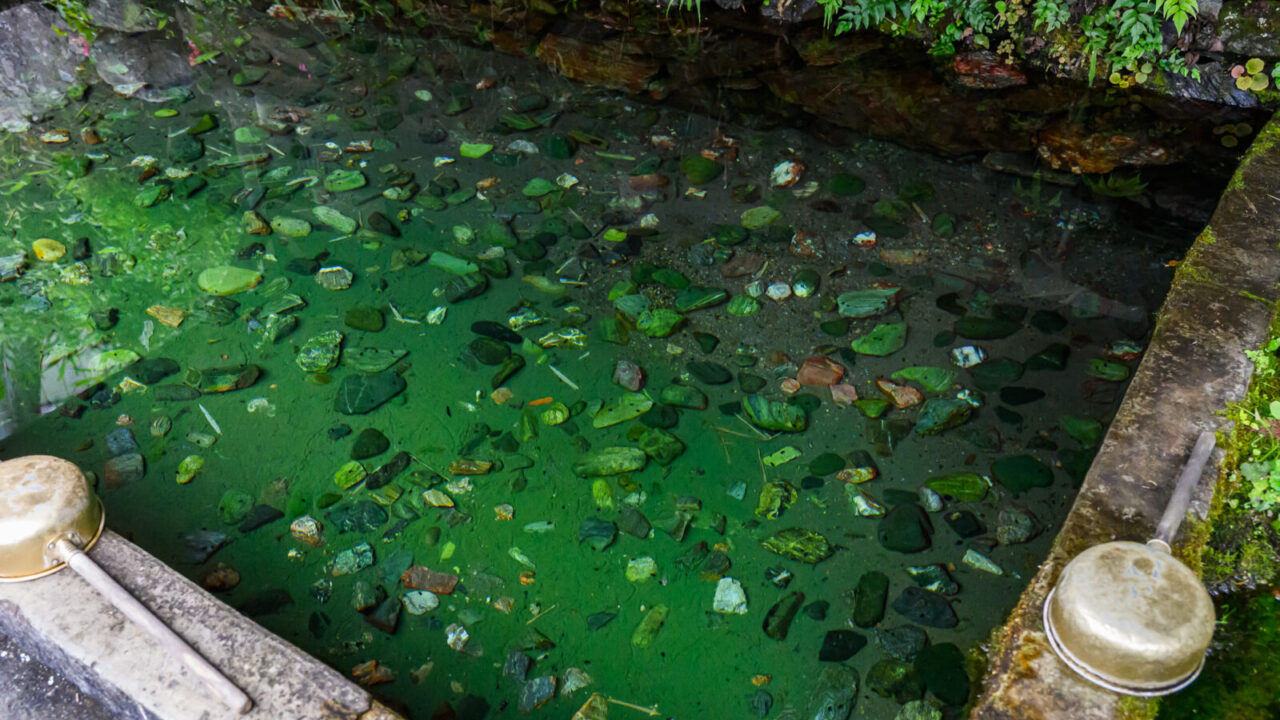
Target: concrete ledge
{"x":1219,"y":307}
{"x":64,"y":624}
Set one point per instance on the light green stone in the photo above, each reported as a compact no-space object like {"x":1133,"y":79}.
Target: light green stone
{"x":251,"y":135}
{"x":627,"y":407}
{"x":335,"y":219}
{"x":290,"y":226}
{"x":343,"y":180}
{"x":349,"y":474}
{"x":743,"y":305}
{"x":538,"y":187}
{"x":474,"y":150}
{"x":227,"y":280}
{"x":758,"y":217}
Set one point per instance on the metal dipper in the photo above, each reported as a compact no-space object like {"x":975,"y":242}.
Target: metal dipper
{"x":1129,"y":616}
{"x":49,"y":517}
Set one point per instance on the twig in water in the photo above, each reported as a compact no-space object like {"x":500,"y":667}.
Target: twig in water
{"x":762,"y":434}
{"x":651,"y":711}
{"x":212,"y":422}
{"x":218,"y":149}
{"x":544,"y":612}
{"x":277,"y":150}
{"x":401,"y":318}
{"x":564,"y":378}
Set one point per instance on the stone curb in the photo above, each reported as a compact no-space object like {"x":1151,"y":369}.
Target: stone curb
{"x":65,"y":624}
{"x":1219,"y":307}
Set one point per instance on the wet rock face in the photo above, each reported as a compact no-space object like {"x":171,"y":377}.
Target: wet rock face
{"x":36,"y":64}
{"x":124,"y":61}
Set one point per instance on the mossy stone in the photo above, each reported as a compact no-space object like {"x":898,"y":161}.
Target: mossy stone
{"x":980,"y":328}
{"x":709,"y":372}
{"x":846,"y":185}
{"x":234,"y":506}
{"x":905,"y":529}
{"x":699,"y":170}
{"x":870,"y":598}
{"x":368,"y":443}
{"x":684,"y":396}
{"x":368,"y":319}
{"x":750,"y":382}
{"x":489,"y":351}
{"x":706,"y":342}
{"x":826,"y":464}
{"x":1019,"y":473}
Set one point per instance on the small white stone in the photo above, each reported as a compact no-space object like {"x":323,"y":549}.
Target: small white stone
{"x":522,"y":146}
{"x":420,"y":602}
{"x":730,"y":597}
{"x":778,"y":291}
{"x":968,"y":355}
{"x":641,"y":569}
{"x":566,"y":181}
{"x":334,"y":278}
{"x":978,"y":561}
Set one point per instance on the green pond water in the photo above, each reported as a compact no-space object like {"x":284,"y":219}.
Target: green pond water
{"x":957,"y":249}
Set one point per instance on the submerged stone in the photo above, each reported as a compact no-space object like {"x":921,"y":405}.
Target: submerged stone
{"x":1019,"y":473}
{"x":840,"y":645}
{"x":777,"y":622}
{"x":963,"y":486}
{"x":980,"y":328}
{"x":597,"y":533}
{"x":941,"y":667}
{"x":835,"y":694}
{"x":684,"y":396}
{"x":940,"y":414}
{"x":610,"y":461}
{"x":661,"y":446}
{"x":228,"y":280}
{"x":799,"y":544}
{"x":925,"y":607}
{"x":870,"y":597}
{"x":649,"y":626}
{"x":773,"y":415}
{"x":362,"y":393}
{"x":883,"y":339}
{"x":905,"y":529}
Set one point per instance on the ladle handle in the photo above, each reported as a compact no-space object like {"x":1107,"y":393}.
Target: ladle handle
{"x":213,"y":678}
{"x":1177,"y":507}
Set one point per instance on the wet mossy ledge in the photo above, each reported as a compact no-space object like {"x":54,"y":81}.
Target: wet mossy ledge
{"x":1214,"y":346}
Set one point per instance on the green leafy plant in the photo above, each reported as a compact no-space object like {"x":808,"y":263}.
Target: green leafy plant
{"x":1117,"y":186}
{"x":1034,"y":199}
{"x":1049,"y":15}
{"x":1178,"y":11}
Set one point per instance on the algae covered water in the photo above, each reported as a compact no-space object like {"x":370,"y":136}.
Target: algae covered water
{"x":503,"y":396}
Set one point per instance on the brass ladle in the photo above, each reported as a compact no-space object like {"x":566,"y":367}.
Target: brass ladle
{"x":48,"y":519}
{"x":1130,"y":617}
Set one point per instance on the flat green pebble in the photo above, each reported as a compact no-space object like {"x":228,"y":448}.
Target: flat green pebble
{"x":165,"y":113}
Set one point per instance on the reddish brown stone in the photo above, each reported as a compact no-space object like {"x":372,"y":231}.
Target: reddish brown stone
{"x":609,"y":64}
{"x":844,"y":394}
{"x":820,"y":370}
{"x":463,"y":466}
{"x":902,"y":396}
{"x":420,"y":577}
{"x":648,"y":183}
{"x":1068,"y":146}
{"x":219,"y":578}
{"x":985,"y":70}
{"x":742,"y":264}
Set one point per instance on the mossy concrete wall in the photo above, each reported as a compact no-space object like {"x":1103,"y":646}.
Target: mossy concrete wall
{"x":1219,"y":307}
